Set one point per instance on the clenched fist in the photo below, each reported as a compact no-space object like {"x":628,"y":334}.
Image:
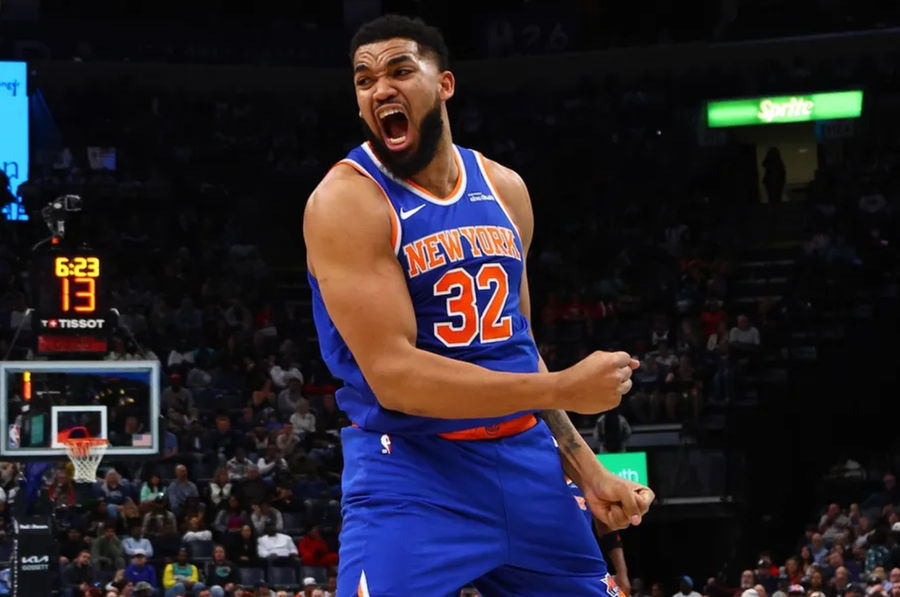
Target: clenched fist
{"x":597,"y":383}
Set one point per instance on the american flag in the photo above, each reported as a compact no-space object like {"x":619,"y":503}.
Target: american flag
{"x":142,"y":440}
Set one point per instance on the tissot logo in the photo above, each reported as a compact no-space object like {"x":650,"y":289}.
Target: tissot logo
{"x":73,"y":324}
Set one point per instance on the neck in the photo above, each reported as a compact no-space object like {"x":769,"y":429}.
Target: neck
{"x":440,"y":175}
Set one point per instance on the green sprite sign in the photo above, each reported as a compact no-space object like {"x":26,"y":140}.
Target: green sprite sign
{"x":628,"y":465}
{"x":791,"y":108}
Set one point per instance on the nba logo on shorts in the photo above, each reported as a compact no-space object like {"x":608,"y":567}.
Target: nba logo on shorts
{"x":612,"y":589}
{"x":385,"y":444}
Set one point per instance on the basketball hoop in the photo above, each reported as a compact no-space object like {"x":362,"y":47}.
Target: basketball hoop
{"x":85,"y":454}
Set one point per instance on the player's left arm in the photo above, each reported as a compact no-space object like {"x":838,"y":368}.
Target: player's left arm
{"x":613,"y":500}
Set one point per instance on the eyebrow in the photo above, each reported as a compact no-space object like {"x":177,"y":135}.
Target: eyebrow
{"x":393,"y":61}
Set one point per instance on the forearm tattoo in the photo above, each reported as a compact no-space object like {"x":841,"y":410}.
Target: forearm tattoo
{"x":569,"y":440}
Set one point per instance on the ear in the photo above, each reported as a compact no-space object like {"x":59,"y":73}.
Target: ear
{"x":446,"y":85}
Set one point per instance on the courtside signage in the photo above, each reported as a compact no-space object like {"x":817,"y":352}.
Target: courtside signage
{"x":628,"y":465}
{"x":786,"y":108}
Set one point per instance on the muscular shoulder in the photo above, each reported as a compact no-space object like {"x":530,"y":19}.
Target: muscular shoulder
{"x":344,"y":190}
{"x":514,"y":195}
{"x":346,"y":207}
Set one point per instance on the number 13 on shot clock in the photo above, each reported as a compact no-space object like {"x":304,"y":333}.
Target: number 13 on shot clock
{"x":78,"y":279}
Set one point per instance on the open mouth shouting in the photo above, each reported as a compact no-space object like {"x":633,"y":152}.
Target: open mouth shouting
{"x":394,"y":125}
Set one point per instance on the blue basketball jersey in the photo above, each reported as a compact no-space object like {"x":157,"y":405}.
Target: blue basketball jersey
{"x":462,"y":258}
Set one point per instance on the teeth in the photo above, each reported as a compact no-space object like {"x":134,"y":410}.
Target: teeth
{"x":387,"y":112}
{"x":398,"y":140}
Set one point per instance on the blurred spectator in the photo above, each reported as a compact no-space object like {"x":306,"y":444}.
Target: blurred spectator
{"x":775,"y":175}
{"x":611,"y":432}
{"x":137,"y":542}
{"x":889,"y":495}
{"x":62,"y":491}
{"x":666,"y":360}
{"x":314,"y":550}
{"x":161,"y":527}
{"x":196,"y":531}
{"x":106,"y":550}
{"x":817,"y":581}
{"x":878,"y":555}
{"x":686,"y":588}
{"x":180,"y":490}
{"x":793,"y":571}
{"x":748,"y":581}
{"x":818,"y":549}
{"x":660,"y":332}
{"x":151,"y":491}
{"x":264,"y":515}
{"x":231,"y":519}
{"x":895,"y":551}
{"x":289,"y":397}
{"x":253,"y":490}
{"x":273,"y":545}
{"x":181,"y":577}
{"x":178,"y":402}
{"x":833,"y":523}
{"x":743,"y":337}
{"x":712,"y":315}
{"x":219,"y":489}
{"x":287,"y":441}
{"x":77,"y":576}
{"x":238,"y":465}
{"x":272,"y":464}
{"x":113,"y":492}
{"x":221,"y":574}
{"x":225,"y":439}
{"x":73,"y":545}
{"x":303,"y":420}
{"x":244,"y":550}
{"x":841,"y":580}
{"x":138,"y":570}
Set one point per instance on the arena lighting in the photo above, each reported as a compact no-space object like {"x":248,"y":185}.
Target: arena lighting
{"x":787,"y":108}
{"x":628,"y":465}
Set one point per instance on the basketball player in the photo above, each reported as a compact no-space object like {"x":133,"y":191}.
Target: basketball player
{"x":416,"y":252}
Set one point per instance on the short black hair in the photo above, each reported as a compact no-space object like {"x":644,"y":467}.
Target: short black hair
{"x":390,"y":26}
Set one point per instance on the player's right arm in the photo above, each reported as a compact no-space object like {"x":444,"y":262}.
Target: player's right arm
{"x":347,"y":230}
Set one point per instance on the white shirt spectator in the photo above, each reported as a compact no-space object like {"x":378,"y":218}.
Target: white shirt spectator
{"x":268,"y":467}
{"x":280,"y":376}
{"x":305,"y":422}
{"x":237,"y":468}
{"x":217,"y":493}
{"x":279,"y":544}
{"x":197,"y":536}
{"x":748,"y":336}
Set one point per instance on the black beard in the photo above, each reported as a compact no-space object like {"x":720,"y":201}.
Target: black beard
{"x":406,"y":164}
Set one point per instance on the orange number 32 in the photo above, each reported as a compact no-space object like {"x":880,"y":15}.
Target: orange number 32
{"x":460,"y":288}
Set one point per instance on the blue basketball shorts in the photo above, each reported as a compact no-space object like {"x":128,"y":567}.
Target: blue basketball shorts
{"x":424,"y":516}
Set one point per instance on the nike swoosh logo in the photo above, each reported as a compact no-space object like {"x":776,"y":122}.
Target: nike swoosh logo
{"x":404,"y":215}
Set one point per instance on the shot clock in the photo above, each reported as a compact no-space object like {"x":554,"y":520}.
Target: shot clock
{"x":71,"y":316}
{"x":78,"y":282}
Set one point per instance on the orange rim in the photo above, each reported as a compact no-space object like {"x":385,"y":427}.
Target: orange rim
{"x":80,"y":447}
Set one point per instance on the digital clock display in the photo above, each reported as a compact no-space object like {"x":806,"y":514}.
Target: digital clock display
{"x":78,"y":283}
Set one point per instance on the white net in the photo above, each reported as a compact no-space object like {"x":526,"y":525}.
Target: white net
{"x":86,"y":456}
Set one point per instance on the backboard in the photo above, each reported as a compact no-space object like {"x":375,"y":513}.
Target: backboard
{"x":44,"y":402}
